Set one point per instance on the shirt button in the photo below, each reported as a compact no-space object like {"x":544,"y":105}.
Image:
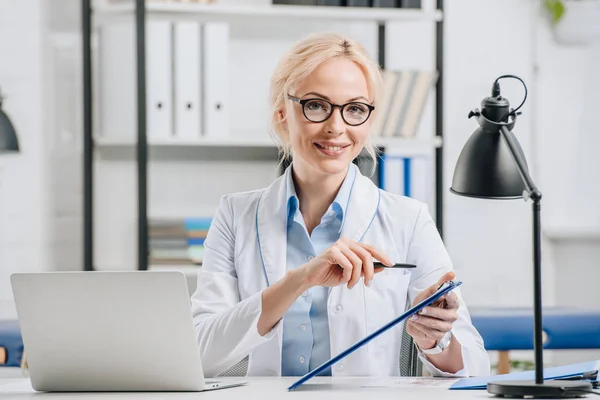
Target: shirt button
{"x":339,"y":308}
{"x":340,"y":367}
{"x":301,"y":360}
{"x":310,"y":257}
{"x":304,"y":294}
{"x":303,"y":327}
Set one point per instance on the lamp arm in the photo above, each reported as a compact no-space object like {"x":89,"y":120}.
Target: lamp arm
{"x":532,"y":191}
{"x":535,"y":195}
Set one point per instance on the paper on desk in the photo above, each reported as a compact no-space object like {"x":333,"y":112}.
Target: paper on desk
{"x":411,"y":382}
{"x":560,"y":372}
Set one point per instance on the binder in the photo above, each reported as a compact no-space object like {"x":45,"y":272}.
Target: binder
{"x":187,"y":70}
{"x":296,"y":2}
{"x":357,"y":3}
{"x":442,"y":291}
{"x":400,"y":99}
{"x":408,"y":175}
{"x":404,"y":97}
{"x":410,"y":3}
{"x":159,"y":78}
{"x":215,"y":77}
{"x":384,"y":3}
{"x":396,"y":175}
{"x":335,"y":3}
{"x":390,"y":80}
{"x":422,"y":179}
{"x":582,"y":371}
{"x":422,"y":85}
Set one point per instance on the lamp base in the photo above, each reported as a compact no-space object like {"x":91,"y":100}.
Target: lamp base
{"x":556,"y":389}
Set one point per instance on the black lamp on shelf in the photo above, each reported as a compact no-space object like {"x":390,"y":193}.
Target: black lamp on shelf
{"x":492,"y":165}
{"x":8,"y":137}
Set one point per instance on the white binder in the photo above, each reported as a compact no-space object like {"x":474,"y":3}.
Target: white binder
{"x":159,"y":90}
{"x":187,"y":70}
{"x":215,"y":77}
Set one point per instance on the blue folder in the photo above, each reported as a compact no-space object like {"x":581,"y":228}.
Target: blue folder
{"x":441,"y":292}
{"x":584,"y":371}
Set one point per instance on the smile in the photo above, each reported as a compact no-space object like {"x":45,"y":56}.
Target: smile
{"x":331,"y":150}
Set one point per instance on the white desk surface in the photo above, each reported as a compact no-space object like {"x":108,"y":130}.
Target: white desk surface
{"x":271,"y":388}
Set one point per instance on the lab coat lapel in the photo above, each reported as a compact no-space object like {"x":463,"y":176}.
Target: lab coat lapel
{"x":360,"y":213}
{"x":271,"y":229}
{"x":361,"y":209}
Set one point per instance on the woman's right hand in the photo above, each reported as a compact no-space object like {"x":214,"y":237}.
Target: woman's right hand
{"x":344,"y":262}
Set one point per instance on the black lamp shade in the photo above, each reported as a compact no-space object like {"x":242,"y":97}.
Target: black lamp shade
{"x":8,"y":137}
{"x":486,"y":168}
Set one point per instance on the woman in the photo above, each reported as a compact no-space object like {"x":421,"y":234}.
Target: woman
{"x":288,"y":277}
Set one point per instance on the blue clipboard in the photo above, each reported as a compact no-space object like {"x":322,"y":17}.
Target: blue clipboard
{"x":441,"y":292}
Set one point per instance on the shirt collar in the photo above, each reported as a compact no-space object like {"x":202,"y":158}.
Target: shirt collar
{"x":340,"y":203}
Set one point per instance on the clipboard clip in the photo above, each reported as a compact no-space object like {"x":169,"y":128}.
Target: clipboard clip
{"x":591,"y":376}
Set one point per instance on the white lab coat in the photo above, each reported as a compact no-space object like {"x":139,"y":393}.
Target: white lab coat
{"x":246,"y":248}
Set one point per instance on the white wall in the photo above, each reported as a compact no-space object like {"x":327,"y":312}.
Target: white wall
{"x":40,"y":187}
{"x":567,"y":142}
{"x":489,"y":241}
{"x":567,"y":124}
{"x":23,"y":229}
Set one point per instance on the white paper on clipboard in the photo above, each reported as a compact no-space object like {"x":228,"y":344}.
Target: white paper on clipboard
{"x":412,"y":382}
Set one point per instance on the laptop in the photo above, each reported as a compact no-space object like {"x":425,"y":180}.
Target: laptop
{"x":110,"y":331}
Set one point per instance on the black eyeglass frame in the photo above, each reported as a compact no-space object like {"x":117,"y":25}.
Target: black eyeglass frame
{"x":302,"y":102}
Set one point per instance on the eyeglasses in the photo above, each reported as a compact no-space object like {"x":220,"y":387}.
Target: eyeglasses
{"x":319,"y":110}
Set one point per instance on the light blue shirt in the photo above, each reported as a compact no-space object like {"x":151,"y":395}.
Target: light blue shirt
{"x":305,"y":324}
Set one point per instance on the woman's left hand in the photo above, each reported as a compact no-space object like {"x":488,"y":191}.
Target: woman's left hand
{"x":434,"y":321}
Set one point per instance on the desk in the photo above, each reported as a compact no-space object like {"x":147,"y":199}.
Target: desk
{"x":273,"y":388}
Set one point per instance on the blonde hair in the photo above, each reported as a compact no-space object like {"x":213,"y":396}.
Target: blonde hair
{"x":300,"y":61}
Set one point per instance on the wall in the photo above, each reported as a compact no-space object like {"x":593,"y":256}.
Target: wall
{"x":23,"y":228}
{"x":63,"y":55}
{"x":567,"y":124}
{"x":40,"y":187}
{"x":489,"y":241}
{"x":557,"y":131}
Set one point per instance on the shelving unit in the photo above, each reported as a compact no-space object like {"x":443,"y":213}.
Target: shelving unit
{"x":142,"y":11}
{"x":416,"y":144}
{"x":234,"y":13}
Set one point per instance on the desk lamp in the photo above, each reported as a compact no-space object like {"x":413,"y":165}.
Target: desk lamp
{"x":8,"y":136}
{"x":492,"y":165}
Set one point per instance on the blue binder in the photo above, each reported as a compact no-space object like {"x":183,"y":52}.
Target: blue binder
{"x":584,"y":371}
{"x":442,"y":290}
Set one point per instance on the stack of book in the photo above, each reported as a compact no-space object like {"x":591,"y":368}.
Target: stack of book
{"x":197,"y":229}
{"x":403,"y":99}
{"x":177,"y":241}
{"x":354,"y":3}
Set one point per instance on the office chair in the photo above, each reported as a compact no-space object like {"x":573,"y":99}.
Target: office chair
{"x":410,"y":365}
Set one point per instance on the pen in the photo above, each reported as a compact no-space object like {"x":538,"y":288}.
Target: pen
{"x":377,"y":264}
